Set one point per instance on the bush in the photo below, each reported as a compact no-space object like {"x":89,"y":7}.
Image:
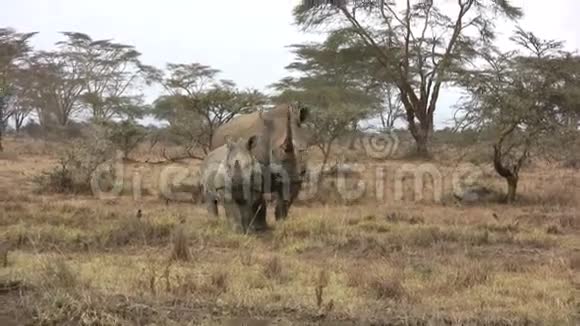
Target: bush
{"x":33,"y":129}
{"x":74,"y":130}
{"x":126,"y":136}
{"x":572,"y":163}
{"x":77,"y":166}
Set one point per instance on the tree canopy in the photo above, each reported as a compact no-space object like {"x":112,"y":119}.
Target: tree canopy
{"x":197,"y":102}
{"x":14,"y":47}
{"x":526,"y":98}
{"x":420,"y":44}
{"x":335,"y":83}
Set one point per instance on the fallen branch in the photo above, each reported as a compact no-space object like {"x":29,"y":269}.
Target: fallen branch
{"x":169,"y":159}
{"x":189,"y":155}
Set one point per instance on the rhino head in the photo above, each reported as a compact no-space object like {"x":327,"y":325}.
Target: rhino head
{"x":242,"y":170}
{"x":287,"y":142}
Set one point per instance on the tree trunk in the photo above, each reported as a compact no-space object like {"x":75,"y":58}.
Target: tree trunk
{"x":512,"y":183}
{"x":63,"y":119}
{"x":17,"y":125}
{"x":2,"y":124}
{"x":325,"y":155}
{"x":355,"y":137}
{"x":421,"y":134}
{"x":422,"y":147}
{"x":2,"y":119}
{"x":421,"y":130}
{"x":510,"y":175}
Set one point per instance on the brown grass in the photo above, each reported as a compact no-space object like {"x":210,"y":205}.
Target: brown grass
{"x":575,"y":262}
{"x":180,"y":246}
{"x":86,"y":260}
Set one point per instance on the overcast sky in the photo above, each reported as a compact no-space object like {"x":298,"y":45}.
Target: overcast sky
{"x":245,"y":39}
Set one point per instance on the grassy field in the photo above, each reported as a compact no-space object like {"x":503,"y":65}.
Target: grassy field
{"x":82,"y":260}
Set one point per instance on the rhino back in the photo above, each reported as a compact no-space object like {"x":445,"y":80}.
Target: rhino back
{"x":249,"y":124}
{"x":244,"y":126}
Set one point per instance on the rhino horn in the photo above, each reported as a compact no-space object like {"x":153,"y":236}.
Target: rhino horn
{"x":237,"y":177}
{"x":251,"y":143}
{"x":304,"y":114}
{"x":288,"y":145}
{"x":267,"y":133}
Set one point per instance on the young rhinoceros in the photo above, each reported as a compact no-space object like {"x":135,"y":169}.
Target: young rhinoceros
{"x":230,"y":174}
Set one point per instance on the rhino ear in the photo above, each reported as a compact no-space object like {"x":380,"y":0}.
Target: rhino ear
{"x":304,"y":114}
{"x":252,"y":142}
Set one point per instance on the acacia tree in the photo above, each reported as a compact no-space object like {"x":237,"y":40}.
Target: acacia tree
{"x":418,"y":44}
{"x":337,"y":94}
{"x":22,"y":106}
{"x":522,"y":98}
{"x":59,"y":85}
{"x":125,"y":135}
{"x":111,"y":73}
{"x":101,"y":77}
{"x":184,"y":125}
{"x":198,"y":102}
{"x":14,"y":48}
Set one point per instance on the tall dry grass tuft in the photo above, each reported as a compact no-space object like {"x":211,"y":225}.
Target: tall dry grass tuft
{"x":388,"y":288}
{"x":56,"y":273}
{"x":379,"y":282}
{"x":469,"y":275}
{"x":218,"y":282}
{"x":575,"y":262}
{"x":180,"y":245}
{"x":321,"y":284}
{"x":274,"y":269}
{"x":4,"y":249}
{"x":133,"y":230}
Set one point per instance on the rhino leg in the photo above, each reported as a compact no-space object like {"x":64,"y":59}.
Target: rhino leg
{"x":211,"y":204}
{"x":234,"y":215}
{"x":246,"y":220}
{"x":281,"y":211}
{"x":283,"y":205}
{"x":258,"y":221}
{"x":283,"y":192}
{"x":294,"y":191}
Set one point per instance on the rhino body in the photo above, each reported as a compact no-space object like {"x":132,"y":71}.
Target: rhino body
{"x":231,"y":175}
{"x":282,"y":153}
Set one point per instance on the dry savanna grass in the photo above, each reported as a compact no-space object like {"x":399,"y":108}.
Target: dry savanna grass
{"x":83,"y":260}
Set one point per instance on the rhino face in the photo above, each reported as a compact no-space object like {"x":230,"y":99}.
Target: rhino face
{"x":289,"y":141}
{"x":242,"y":169}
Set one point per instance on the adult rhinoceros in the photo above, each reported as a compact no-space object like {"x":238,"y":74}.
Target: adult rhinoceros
{"x":282,"y":155}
